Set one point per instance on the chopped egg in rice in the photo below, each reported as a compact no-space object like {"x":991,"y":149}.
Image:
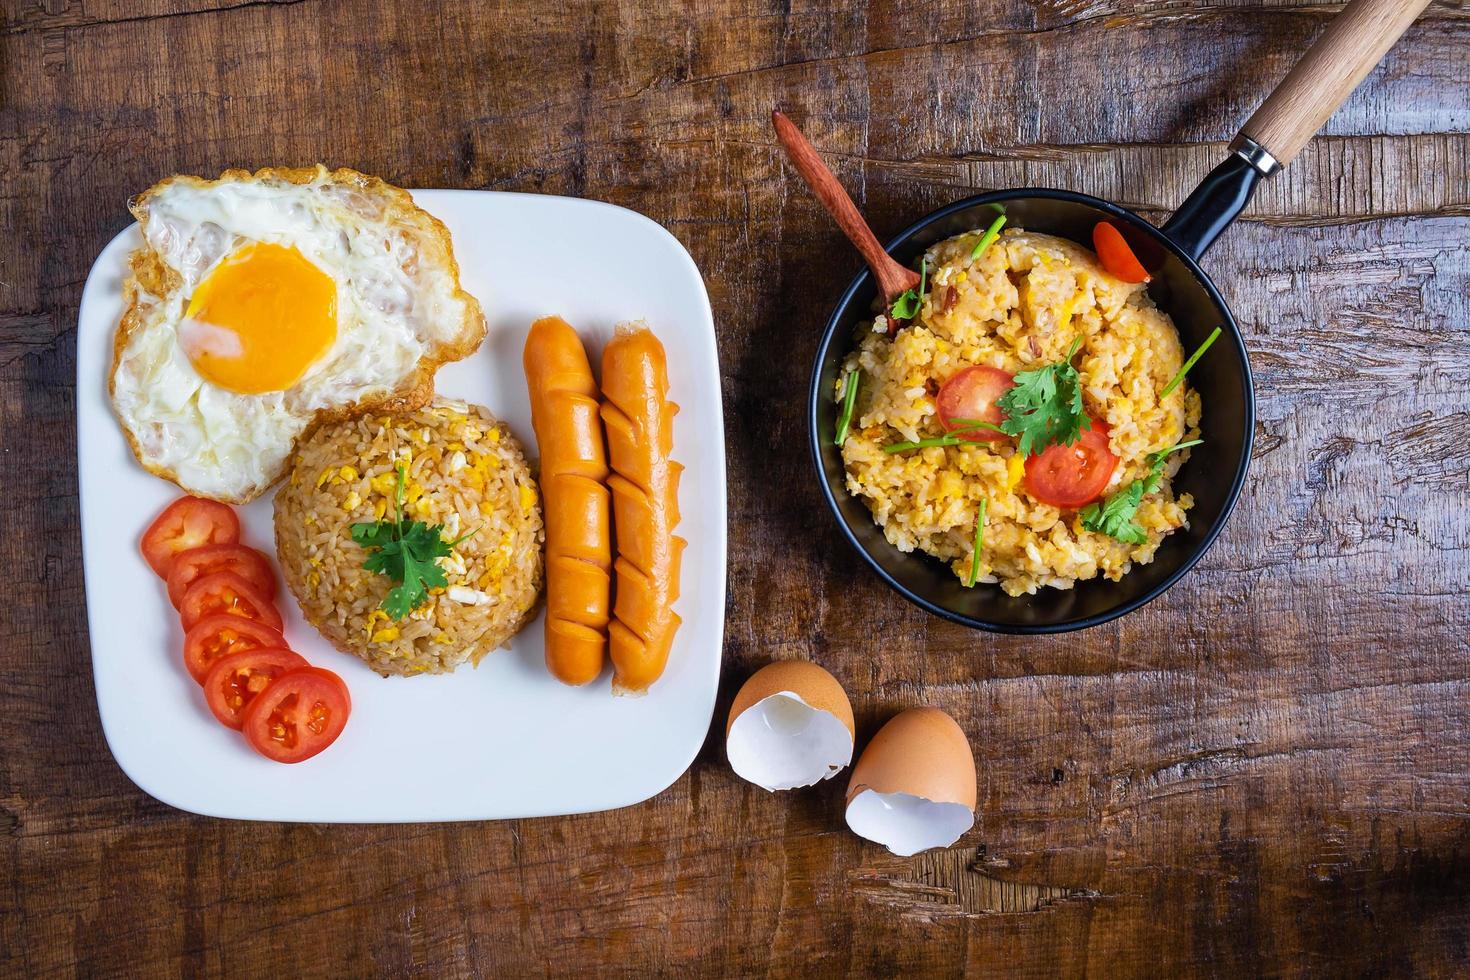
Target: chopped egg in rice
{"x":481,"y":493}
{"x":1017,"y":307}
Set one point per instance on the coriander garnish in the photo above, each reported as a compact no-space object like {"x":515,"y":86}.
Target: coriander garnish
{"x":406,"y":553}
{"x":1114,"y":516}
{"x":991,"y":234}
{"x":979,"y":540}
{"x":849,"y":399}
{"x":1045,"y":406}
{"x":906,"y":306}
{"x":1156,"y":463}
{"x":1189,"y":364}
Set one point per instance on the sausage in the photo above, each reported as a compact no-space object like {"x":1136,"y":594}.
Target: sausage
{"x":639,"y":419}
{"x":564,"y":413}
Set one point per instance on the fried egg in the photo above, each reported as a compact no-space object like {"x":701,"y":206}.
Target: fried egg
{"x":261,"y":305}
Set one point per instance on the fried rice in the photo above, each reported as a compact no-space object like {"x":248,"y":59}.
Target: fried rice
{"x":462,"y":469}
{"x":1017,"y":307}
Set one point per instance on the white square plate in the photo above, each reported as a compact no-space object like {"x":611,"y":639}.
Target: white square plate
{"x":504,"y":740}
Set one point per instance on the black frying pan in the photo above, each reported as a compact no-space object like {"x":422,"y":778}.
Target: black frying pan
{"x":1350,"y":47}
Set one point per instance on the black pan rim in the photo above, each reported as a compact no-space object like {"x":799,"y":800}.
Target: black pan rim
{"x":815,"y":405}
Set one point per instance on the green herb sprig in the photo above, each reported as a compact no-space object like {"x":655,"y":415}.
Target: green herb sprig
{"x":991,"y":234}
{"x":1045,"y":407}
{"x":1189,"y":364}
{"x":906,"y":306}
{"x":979,"y":543}
{"x":1115,"y":516}
{"x":950,"y":438}
{"x":406,"y":553}
{"x":849,"y":400}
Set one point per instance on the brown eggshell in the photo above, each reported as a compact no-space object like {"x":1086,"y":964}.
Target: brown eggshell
{"x":922,"y":752}
{"x":817,"y":688}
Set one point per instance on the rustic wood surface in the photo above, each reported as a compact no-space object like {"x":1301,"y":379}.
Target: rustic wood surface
{"x":1265,"y":772}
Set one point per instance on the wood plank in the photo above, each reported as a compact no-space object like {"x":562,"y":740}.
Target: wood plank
{"x":31,"y":16}
{"x":1265,"y":772}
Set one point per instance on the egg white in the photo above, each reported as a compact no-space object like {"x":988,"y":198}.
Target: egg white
{"x":400,"y":311}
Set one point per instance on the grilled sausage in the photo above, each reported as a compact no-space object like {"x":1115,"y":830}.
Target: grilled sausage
{"x":564,"y":411}
{"x":645,"y":490}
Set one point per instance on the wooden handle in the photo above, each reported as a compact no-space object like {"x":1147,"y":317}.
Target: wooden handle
{"x":1352,"y":46}
{"x":892,"y":278}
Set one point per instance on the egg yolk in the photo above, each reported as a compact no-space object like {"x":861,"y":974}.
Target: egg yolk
{"x":260,"y":319}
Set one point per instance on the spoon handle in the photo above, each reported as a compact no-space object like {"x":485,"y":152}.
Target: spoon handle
{"x":892,"y":277}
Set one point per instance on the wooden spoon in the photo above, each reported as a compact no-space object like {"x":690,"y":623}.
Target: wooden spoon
{"x":893,"y":279}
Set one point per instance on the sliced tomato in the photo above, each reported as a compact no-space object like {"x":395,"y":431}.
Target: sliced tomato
{"x":971,"y":396}
{"x":222,"y":634}
{"x":226,"y":593}
{"x":234,"y":682}
{"x":1115,"y":254}
{"x":1072,"y":476}
{"x":189,"y":522}
{"x":300,"y":714}
{"x":195,"y":563}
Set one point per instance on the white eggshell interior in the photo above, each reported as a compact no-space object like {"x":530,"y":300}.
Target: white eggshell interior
{"x":907,"y":824}
{"x":781,"y":742}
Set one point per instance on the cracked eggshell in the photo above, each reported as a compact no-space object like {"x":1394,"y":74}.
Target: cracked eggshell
{"x":913,"y":788}
{"x":790,"y":726}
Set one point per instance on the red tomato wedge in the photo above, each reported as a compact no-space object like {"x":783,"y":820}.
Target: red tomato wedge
{"x":1115,"y":254}
{"x":196,"y":563}
{"x":1072,"y":476}
{"x":189,"y":522}
{"x":236,"y":681}
{"x":971,"y":396}
{"x":300,"y":714}
{"x":226,"y":593}
{"x":221,"y":635}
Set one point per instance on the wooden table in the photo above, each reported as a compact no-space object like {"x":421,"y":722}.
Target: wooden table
{"x":1267,"y":771}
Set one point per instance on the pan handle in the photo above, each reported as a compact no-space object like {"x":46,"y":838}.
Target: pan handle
{"x":1353,"y":44}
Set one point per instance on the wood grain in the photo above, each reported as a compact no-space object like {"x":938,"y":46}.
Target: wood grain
{"x":1265,"y":772}
{"x":1352,"y":45}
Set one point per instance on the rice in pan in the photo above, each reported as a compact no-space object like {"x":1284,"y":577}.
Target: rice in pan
{"x":463,"y":470}
{"x":1019,"y":306}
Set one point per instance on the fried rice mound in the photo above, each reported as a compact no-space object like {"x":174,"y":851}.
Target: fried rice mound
{"x":462,"y":470}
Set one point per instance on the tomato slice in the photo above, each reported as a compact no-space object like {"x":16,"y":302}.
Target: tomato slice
{"x":300,"y":714}
{"x":971,"y":396}
{"x":195,"y":563}
{"x":236,"y":681}
{"x":1072,"y":476}
{"x":1115,"y":254}
{"x":228,"y":593}
{"x":222,"y":634}
{"x":189,"y":522}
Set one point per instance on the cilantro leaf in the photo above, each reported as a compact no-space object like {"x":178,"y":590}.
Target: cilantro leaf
{"x":387,"y":560}
{"x":373,"y":535}
{"x":1114,"y":516}
{"x":1045,"y":407}
{"x":400,"y":600}
{"x":405,"y":553}
{"x":1156,"y":464}
{"x":409,"y":560}
{"x":424,"y":541}
{"x":906,"y":306}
